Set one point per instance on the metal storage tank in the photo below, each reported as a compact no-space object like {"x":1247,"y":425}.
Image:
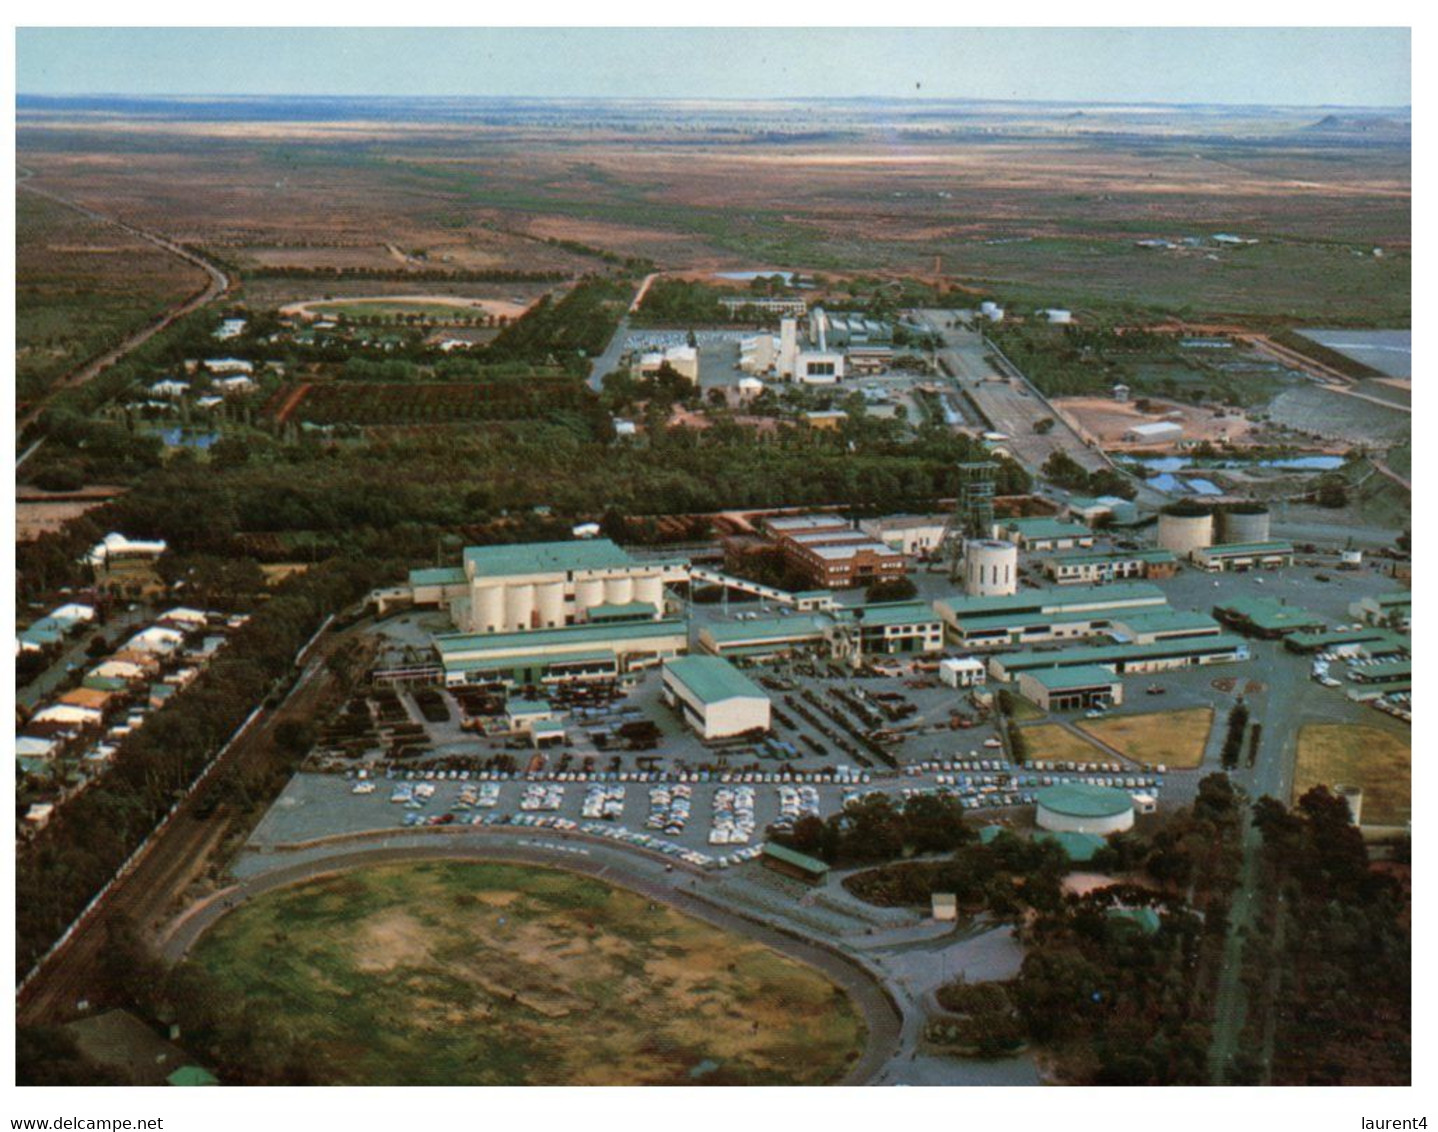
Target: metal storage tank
{"x":650,"y":588}
{"x":518,"y":606}
{"x":619,"y":591}
{"x":588,"y":592}
{"x":991,"y":568}
{"x":549,"y":599}
{"x":1078,"y":807}
{"x":487,"y":608}
{"x":1244,"y":522}
{"x":1185,"y":529}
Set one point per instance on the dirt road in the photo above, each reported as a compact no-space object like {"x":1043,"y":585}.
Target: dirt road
{"x":219,"y":283}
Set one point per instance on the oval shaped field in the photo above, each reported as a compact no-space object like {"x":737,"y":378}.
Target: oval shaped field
{"x":449,"y":973}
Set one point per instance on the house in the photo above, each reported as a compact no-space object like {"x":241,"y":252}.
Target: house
{"x":170,"y":388}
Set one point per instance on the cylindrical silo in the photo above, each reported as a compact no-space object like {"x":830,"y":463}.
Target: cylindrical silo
{"x":1244,"y":522}
{"x":487,"y":608}
{"x":519,"y":606}
{"x":650,"y":588}
{"x":619,"y":591}
{"x":991,"y":568}
{"x":549,"y":600}
{"x":588,"y":592}
{"x":1184,"y":528}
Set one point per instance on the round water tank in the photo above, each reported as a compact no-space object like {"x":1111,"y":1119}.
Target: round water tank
{"x":1080,"y":808}
{"x":518,"y":606}
{"x":487,"y":608}
{"x":619,"y":591}
{"x":1244,"y":523}
{"x":991,"y":568}
{"x":549,"y":599}
{"x":1184,"y":531}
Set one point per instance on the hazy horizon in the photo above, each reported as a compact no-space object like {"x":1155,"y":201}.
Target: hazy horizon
{"x":1367,"y":68}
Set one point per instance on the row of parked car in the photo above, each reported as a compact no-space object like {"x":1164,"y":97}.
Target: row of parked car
{"x":603,"y":800}
{"x":796,"y":802}
{"x":733,"y":816}
{"x":541,"y":796}
{"x":669,"y":808}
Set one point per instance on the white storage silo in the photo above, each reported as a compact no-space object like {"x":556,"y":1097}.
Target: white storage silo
{"x":1353,"y":795}
{"x":519,"y":606}
{"x":588,"y":592}
{"x":1185,"y":530}
{"x":991,"y":568}
{"x":619,"y":591}
{"x":650,"y":588}
{"x":487,"y":608}
{"x":549,"y":601}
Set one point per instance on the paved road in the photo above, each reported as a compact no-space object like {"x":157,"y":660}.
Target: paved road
{"x":218,"y":284}
{"x":1012,"y":405}
{"x":608,"y":361}
{"x":679,"y":889}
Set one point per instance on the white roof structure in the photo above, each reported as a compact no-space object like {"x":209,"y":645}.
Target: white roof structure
{"x":116,"y":545}
{"x":170,"y":388}
{"x":229,"y":365}
{"x":187,"y":615}
{"x":155,"y":639}
{"x":963,"y":664}
{"x":73,"y":611}
{"x":35,"y":747}
{"x":586,"y":530}
{"x":68,"y":713}
{"x":118,"y":670}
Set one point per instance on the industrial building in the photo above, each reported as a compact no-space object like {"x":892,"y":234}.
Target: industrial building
{"x":1149,"y":626}
{"x":1384,"y":609}
{"x":1374,"y":641}
{"x":1101,"y":567}
{"x":914,"y":535}
{"x":1043,"y":533}
{"x":715,"y":698}
{"x":547,"y":585}
{"x":1243,"y":556}
{"x":1154,"y":432}
{"x":833,"y":555}
{"x":1161,"y":656}
{"x":1071,"y":689}
{"x":1090,"y":510}
{"x":963,"y":671}
{"x":1078,"y":807}
{"x":683,"y":360}
{"x":882,"y":628}
{"x":1043,"y":615}
{"x":597,"y":651}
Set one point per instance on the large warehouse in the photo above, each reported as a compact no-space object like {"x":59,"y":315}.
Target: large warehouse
{"x":599,"y":651}
{"x":1161,"y":656}
{"x":547,"y":585}
{"x":1044,"y":615}
{"x":878,"y":628}
{"x":1081,"y":808}
{"x":714,"y":697}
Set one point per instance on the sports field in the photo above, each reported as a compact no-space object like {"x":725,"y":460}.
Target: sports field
{"x":1175,"y":739}
{"x":448,"y":973}
{"x":1349,"y":754}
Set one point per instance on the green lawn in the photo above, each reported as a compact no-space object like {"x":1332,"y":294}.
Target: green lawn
{"x":448,"y":973}
{"x":1377,"y":760}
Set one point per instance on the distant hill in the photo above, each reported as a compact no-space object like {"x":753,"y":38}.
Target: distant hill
{"x":1371,"y":125}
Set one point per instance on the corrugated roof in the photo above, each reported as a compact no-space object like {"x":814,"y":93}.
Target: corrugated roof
{"x":609,"y":611}
{"x":1230,"y":549}
{"x":1089,"y":557}
{"x":1058,"y":598}
{"x":1108,"y":654}
{"x":789,"y":856}
{"x":1042,"y":527}
{"x":577,"y":635}
{"x":712,"y":679}
{"x":547,"y":557}
{"x":437,"y":576}
{"x":1079,"y":676}
{"x":770,"y":628}
{"x":509,"y":663}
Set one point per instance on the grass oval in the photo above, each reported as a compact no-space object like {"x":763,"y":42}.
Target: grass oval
{"x":446,"y":973}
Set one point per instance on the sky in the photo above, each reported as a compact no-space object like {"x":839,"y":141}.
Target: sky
{"x":1270,"y":66}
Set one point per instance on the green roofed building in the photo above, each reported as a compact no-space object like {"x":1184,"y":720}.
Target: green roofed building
{"x":601,"y":650}
{"x":191,"y":1075}
{"x":784,"y":860}
{"x":1071,"y":689}
{"x":1161,"y":656}
{"x":1145,"y":919}
{"x":715,"y":698}
{"x":1043,"y":533}
{"x":1267,"y":617}
{"x":1078,"y":847}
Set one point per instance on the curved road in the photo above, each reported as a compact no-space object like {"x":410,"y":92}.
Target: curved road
{"x":604,"y":861}
{"x":218,"y":284}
